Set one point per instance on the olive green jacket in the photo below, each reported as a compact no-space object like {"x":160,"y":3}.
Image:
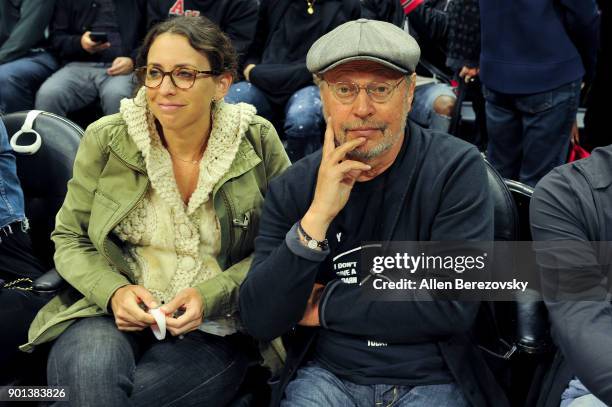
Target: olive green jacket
{"x":109,"y":180}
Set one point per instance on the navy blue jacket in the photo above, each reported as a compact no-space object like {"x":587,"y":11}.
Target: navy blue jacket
{"x":438,"y":192}
{"x":532,"y":46}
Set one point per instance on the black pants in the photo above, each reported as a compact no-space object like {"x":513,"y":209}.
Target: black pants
{"x":17,"y":308}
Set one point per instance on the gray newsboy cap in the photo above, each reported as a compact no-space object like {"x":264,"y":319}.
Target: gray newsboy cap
{"x":364,"y":39}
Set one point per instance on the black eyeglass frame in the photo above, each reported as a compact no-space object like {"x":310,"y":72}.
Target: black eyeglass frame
{"x":198,"y":74}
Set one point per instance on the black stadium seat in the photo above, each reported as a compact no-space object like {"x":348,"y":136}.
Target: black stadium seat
{"x":44,"y":175}
{"x":515,"y":336}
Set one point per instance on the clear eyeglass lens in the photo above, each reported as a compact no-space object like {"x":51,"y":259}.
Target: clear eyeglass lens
{"x":182,"y":77}
{"x":378,"y":91}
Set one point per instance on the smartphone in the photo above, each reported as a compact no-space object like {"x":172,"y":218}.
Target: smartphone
{"x":98,"y":36}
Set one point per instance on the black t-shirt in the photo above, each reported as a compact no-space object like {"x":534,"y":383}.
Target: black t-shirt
{"x":361,"y":359}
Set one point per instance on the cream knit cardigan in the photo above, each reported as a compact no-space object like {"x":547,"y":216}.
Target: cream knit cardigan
{"x":170,"y":245}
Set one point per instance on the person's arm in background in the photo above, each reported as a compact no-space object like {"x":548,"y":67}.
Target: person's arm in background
{"x":262,"y":30}
{"x":65,"y":42}
{"x":125,"y":64}
{"x":280,"y":79}
{"x":581,"y":19}
{"x":274,"y":79}
{"x":562,"y":211}
{"x":240,"y":25}
{"x":155,"y":13}
{"x":35,"y":16}
{"x":140,"y":32}
{"x":430,"y":24}
{"x":463,"y":54}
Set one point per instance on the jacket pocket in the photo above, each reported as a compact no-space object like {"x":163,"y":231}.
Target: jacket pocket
{"x":535,"y":103}
{"x":245,"y":226}
{"x":102,"y":210}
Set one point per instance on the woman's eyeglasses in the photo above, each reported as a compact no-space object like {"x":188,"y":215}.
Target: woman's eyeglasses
{"x":181,"y":77}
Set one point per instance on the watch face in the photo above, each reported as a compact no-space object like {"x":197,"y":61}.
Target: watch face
{"x":313,"y":244}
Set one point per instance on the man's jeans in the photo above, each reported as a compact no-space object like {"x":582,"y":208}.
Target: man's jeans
{"x":303,"y":115}
{"x":529,"y":134}
{"x":102,"y":366}
{"x":423,"y":111}
{"x":315,"y":386}
{"x":21,"y":78}
{"x":576,"y":395}
{"x":78,"y":84}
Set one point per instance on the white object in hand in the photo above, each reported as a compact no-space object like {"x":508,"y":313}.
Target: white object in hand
{"x":159,"y":330}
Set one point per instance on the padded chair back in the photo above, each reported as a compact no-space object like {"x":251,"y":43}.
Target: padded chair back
{"x":44,"y":175}
{"x":521,"y":194}
{"x":505,"y":212}
{"x":514,"y":335}
{"x":533,"y":328}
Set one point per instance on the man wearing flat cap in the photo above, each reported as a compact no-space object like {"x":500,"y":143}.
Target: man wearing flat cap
{"x":377,"y":178}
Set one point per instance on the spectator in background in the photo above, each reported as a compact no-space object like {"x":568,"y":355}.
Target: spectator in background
{"x":277,"y":81}
{"x":17,"y":308}
{"x":92,"y":68}
{"x":24,"y":64}
{"x":571,"y":224}
{"x":463,"y":57}
{"x":427,"y":22}
{"x":534,"y":56}
{"x":236,"y":18}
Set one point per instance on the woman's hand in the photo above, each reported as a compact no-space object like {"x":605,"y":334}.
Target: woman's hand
{"x":126,"y":305}
{"x":192,"y":303}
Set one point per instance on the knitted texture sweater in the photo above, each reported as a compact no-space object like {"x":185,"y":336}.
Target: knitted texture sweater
{"x":171,"y":245}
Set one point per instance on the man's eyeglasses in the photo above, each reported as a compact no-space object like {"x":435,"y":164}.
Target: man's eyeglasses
{"x":379,"y":92}
{"x":181,"y":77}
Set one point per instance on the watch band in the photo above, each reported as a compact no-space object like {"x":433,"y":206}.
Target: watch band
{"x":310,"y":242}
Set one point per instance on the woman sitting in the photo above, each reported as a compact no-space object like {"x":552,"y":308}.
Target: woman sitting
{"x":161,"y":213}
